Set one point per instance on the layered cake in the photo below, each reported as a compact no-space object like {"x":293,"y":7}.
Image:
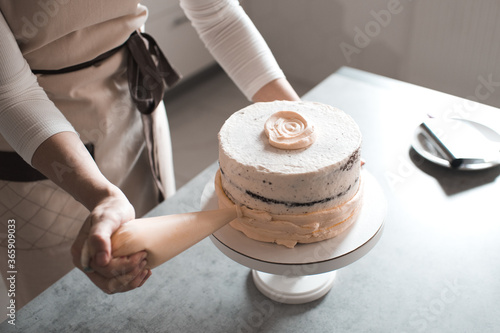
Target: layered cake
{"x":293,"y":169}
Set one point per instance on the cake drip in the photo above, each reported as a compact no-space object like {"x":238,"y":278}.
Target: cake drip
{"x":289,"y":130}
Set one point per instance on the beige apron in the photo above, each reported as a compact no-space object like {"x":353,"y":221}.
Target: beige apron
{"x":97,"y":102}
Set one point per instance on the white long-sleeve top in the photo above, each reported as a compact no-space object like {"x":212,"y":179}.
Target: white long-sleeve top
{"x":234,"y":42}
{"x":28,"y":117}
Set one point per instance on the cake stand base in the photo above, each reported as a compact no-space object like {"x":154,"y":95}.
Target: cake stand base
{"x":293,"y":289}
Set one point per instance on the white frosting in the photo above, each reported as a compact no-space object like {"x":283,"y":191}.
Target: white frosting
{"x":289,"y":130}
{"x":321,"y":177}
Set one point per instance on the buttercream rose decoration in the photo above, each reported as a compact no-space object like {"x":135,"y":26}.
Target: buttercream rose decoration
{"x":289,"y":130}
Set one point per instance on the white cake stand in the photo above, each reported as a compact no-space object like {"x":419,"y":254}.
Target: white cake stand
{"x":306,"y":272}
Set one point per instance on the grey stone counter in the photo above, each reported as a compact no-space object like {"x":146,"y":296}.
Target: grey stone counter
{"x":435,"y":269}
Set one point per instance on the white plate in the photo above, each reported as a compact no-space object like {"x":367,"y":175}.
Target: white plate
{"x":423,"y":146}
{"x":306,"y":259}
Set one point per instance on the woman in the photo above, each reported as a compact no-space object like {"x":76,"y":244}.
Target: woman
{"x":77,"y":123}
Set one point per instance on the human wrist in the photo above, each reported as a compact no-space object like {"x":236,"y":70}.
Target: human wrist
{"x":99,"y":193}
{"x":279,"y":89}
{"x":64,"y":159}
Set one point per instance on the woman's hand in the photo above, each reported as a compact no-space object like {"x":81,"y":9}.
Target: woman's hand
{"x":112,"y":275}
{"x":64,"y":159}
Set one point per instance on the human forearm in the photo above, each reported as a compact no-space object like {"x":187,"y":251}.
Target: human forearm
{"x":64,"y":159}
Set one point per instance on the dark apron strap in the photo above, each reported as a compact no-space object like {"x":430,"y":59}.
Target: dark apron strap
{"x":14,"y":169}
{"x":78,"y":67}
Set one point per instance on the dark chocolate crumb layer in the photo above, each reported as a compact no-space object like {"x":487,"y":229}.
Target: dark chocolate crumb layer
{"x":350,"y":162}
{"x":297,"y":204}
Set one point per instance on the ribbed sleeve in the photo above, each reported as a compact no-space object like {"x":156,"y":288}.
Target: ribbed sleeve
{"x":234,"y":41}
{"x":27,"y":116}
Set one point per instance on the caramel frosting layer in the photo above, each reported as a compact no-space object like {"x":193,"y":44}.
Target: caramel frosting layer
{"x":290,"y":229}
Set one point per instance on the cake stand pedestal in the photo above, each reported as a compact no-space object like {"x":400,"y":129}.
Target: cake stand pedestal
{"x":293,"y":289}
{"x":306,"y":272}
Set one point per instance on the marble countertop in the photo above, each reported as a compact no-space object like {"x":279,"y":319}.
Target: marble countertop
{"x":435,"y":268}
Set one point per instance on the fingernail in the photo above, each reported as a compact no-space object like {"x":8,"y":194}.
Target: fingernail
{"x":143,"y":263}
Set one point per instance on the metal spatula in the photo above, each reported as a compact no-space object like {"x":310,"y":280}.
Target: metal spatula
{"x":462,"y":141}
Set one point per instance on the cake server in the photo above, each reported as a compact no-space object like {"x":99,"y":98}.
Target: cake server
{"x":164,"y":237}
{"x":463,"y":141}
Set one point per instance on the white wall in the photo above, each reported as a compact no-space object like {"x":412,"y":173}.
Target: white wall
{"x":455,"y":47}
{"x":447,"y":45}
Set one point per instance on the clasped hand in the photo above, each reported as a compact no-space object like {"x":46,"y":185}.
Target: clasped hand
{"x":112,"y":275}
